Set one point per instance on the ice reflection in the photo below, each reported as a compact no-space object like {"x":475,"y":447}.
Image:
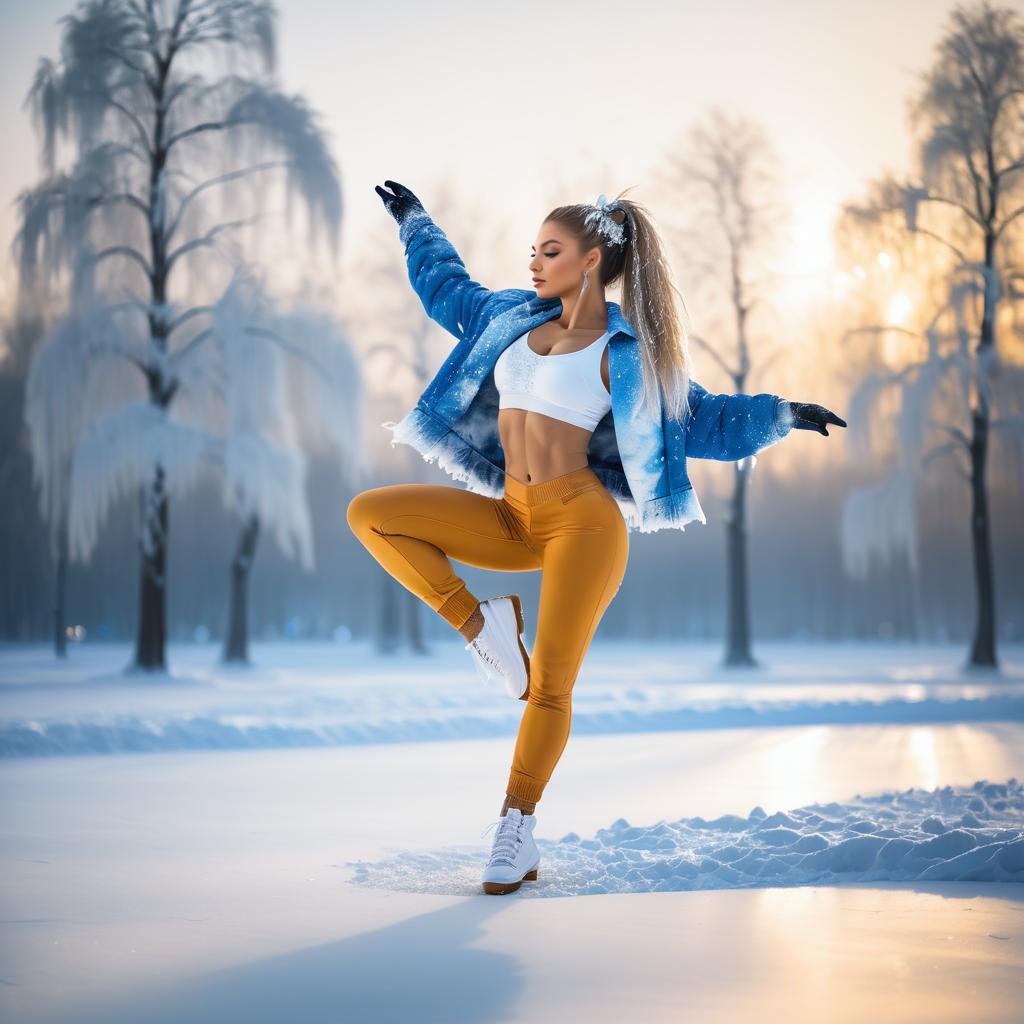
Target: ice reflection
{"x":922,"y":747}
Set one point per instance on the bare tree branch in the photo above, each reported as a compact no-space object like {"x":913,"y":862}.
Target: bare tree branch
{"x":208,"y":238}
{"x":220,"y":180}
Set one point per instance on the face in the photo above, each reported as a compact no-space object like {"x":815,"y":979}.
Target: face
{"x":556,"y":260}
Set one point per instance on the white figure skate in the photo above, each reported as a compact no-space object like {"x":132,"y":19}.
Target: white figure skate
{"x":514,"y":855}
{"x":498,"y":651}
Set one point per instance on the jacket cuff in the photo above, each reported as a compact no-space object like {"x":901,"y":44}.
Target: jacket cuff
{"x":407,"y":228}
{"x":783,"y":417}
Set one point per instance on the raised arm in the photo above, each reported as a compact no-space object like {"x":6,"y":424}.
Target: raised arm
{"x":731,"y":427}
{"x":462,"y":306}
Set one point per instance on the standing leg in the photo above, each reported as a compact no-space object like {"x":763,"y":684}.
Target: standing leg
{"x":411,"y":529}
{"x":582,"y":572}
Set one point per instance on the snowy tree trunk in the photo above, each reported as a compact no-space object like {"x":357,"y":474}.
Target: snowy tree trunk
{"x":151,"y":635}
{"x":737,"y":647}
{"x":387,"y":631}
{"x":151,"y":638}
{"x":236,"y":647}
{"x":414,"y":619}
{"x":983,"y":647}
{"x":60,"y":640}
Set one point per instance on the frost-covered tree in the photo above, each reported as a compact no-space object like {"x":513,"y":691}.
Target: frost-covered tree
{"x":726,"y":170}
{"x":280,"y":410}
{"x":965,"y":380}
{"x":276,"y":409}
{"x":24,"y":538}
{"x":178,"y":137}
{"x":67,"y":375}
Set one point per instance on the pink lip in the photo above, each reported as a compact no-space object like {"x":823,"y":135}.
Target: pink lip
{"x":538,"y":280}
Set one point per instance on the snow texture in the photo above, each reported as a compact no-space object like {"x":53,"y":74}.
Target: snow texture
{"x":967,"y":833}
{"x":119,"y":454}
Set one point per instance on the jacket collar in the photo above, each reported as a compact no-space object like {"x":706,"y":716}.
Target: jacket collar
{"x":617,"y":323}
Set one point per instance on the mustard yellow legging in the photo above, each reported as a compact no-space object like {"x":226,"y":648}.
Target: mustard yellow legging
{"x":569,"y":527}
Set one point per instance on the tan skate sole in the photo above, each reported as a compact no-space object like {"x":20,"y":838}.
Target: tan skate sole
{"x":500,"y":888}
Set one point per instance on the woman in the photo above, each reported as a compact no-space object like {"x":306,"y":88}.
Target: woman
{"x":571,"y":424}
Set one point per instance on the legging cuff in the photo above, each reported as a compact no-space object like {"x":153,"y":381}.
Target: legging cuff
{"x":524,"y":787}
{"x":457,"y":608}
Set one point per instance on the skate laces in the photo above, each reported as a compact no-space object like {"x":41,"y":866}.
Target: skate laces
{"x":507,"y":839}
{"x":485,"y":652}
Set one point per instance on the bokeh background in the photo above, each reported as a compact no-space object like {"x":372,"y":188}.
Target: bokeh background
{"x":493,"y":117}
{"x":243,"y":772}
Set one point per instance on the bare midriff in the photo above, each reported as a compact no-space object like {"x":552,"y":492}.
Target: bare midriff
{"x":539,"y":447}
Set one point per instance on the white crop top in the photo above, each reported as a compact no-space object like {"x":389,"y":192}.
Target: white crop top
{"x":564,"y":385}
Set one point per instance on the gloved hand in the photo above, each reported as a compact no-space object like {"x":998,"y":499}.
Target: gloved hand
{"x":401,"y":203}
{"x":813,"y":417}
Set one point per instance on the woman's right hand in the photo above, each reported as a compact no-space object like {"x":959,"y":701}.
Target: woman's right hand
{"x":400,"y":202}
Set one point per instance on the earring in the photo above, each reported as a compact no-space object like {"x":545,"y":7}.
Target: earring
{"x":576,"y":309}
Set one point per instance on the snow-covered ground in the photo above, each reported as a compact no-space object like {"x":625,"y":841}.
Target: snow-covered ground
{"x":839,"y":835}
{"x":326,"y":695}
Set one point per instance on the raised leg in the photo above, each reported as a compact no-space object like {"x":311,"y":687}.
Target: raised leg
{"x":412,"y":529}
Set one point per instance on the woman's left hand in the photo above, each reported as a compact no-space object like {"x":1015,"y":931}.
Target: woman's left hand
{"x":814,"y":417}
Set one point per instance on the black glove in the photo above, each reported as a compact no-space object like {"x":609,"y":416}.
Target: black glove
{"x":813,"y":417}
{"x":402,"y":203}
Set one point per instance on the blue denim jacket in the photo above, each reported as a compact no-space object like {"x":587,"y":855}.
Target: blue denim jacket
{"x":640,"y":460}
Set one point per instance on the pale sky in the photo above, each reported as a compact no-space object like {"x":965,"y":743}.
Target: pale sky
{"x":504,"y":99}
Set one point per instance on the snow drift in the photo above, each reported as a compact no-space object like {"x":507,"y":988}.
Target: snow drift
{"x":968,"y":833}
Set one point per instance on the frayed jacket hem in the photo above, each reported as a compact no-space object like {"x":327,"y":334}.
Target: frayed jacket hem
{"x":673,"y":511}
{"x":435,"y":439}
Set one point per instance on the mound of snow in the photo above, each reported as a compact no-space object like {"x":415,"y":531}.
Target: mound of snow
{"x":968,"y":833}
